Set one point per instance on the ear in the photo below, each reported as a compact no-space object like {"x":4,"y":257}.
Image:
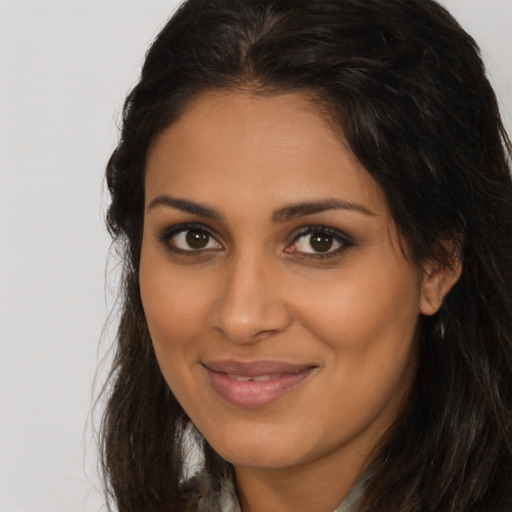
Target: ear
{"x":438,"y":280}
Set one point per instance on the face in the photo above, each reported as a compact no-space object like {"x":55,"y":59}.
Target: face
{"x":281,"y":306}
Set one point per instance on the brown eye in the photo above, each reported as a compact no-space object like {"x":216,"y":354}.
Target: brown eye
{"x":197,"y":239}
{"x":190,"y":240}
{"x":321,"y":242}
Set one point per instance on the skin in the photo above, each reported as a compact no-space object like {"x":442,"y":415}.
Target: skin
{"x":259,"y":290}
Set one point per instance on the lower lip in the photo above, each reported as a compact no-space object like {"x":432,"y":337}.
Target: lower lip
{"x":253,"y":394}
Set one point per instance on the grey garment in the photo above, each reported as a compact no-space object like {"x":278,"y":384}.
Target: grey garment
{"x":228,"y":499}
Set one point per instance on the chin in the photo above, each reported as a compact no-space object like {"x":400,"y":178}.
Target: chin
{"x":257,"y":456}
{"x":260,"y":447}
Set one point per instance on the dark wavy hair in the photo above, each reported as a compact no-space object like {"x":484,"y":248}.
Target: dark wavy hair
{"x":406,"y":86}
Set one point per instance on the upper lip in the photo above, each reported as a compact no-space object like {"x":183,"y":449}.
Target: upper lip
{"x":256,"y":368}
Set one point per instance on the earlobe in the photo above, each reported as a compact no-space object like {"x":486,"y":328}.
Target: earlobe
{"x":438,"y":280}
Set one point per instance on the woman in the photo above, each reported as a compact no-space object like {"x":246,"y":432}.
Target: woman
{"x":315,"y":208}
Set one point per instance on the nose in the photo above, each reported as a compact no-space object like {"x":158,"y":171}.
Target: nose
{"x":250,"y":305}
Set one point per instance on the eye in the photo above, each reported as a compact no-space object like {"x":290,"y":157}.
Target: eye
{"x":189,"y":238}
{"x":194,"y":240}
{"x":319,"y":242}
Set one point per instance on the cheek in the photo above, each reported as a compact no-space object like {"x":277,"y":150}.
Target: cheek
{"x":172,"y":306}
{"x":172,"y":302}
{"x":368,"y":325}
{"x":367,"y":318}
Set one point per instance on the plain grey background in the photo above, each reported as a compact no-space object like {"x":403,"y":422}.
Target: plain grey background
{"x":65,"y":67}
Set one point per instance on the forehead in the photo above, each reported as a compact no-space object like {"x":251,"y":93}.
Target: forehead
{"x":241,"y":148}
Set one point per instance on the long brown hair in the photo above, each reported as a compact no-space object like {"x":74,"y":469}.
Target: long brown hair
{"x":406,"y":86}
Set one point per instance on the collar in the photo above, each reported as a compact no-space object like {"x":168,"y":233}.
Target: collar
{"x":228,"y":499}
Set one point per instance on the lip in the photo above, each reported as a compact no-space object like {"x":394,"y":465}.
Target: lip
{"x":230,"y":379}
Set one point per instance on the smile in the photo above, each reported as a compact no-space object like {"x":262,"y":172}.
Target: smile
{"x":262,"y":378}
{"x":255,"y":384}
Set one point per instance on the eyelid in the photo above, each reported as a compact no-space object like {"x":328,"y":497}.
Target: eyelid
{"x":165,"y":236}
{"x":346,"y":241}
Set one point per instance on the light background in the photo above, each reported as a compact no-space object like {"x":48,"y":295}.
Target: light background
{"x":65,"y":67}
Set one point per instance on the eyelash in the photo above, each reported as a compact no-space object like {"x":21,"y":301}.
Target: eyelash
{"x":167,"y":235}
{"x":343,"y":239}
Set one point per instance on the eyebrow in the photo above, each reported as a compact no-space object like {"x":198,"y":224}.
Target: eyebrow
{"x":293,"y":211}
{"x":281,"y":215}
{"x":186,"y":206}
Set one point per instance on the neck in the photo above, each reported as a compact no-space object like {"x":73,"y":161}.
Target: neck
{"x":319,"y":487}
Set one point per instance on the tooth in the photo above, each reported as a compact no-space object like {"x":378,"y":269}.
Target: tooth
{"x":260,"y":378}
{"x":239,"y":378}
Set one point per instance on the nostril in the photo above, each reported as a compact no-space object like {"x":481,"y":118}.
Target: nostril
{"x":245,"y":324}
{"x":250,"y":305}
